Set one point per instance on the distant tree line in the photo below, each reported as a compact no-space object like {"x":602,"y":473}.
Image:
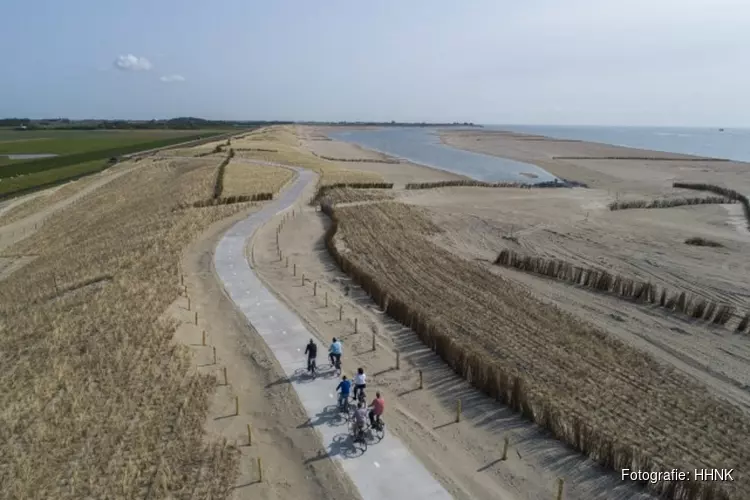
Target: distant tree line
{"x":189,"y":123}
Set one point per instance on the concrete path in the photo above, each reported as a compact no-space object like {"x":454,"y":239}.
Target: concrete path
{"x":386,"y":470}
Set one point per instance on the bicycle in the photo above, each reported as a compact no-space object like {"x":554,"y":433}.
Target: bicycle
{"x":335,"y":362}
{"x":378,"y":429}
{"x":312,"y":367}
{"x":359,"y":436}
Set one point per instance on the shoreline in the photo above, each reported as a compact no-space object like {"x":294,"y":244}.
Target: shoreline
{"x":602,"y":165}
{"x":525,"y":177}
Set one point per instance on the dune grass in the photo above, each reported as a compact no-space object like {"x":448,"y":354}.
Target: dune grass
{"x":280,"y":144}
{"x":98,"y":400}
{"x":604,"y":398}
{"x":244,"y":178}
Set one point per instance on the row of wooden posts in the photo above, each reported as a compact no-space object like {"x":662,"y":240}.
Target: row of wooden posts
{"x":259,"y":466}
{"x":282,"y":258}
{"x":259,"y":463}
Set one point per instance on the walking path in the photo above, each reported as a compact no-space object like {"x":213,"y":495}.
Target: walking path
{"x":386,"y":469}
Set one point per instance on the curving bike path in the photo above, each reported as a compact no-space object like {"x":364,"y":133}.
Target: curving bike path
{"x":386,"y":470}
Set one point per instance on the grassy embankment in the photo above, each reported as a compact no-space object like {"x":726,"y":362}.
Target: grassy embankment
{"x":98,"y":400}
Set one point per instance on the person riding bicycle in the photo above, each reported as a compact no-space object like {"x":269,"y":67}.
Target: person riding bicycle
{"x":312,"y":352}
{"x":378,"y":407}
{"x":344,"y":388}
{"x":360,"y":418}
{"x":334,"y":352}
{"x":360,"y":382}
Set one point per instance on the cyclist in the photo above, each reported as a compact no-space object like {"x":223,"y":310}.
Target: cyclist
{"x":312,"y":352}
{"x":360,"y":419}
{"x":334,"y":353}
{"x":344,"y":387}
{"x":360,"y":382}
{"x":378,"y":407}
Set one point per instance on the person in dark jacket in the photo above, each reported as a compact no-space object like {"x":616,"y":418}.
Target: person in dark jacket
{"x":312,"y":352}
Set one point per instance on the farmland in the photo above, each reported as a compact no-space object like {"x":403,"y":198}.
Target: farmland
{"x":79,"y":152}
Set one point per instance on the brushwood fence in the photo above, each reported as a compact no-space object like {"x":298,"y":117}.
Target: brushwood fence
{"x":323,"y":189}
{"x":229,"y":200}
{"x":726,"y":192}
{"x":359,"y":160}
{"x":513,"y":389}
{"x":642,"y":292}
{"x":219,"y":182}
{"x":472,"y":183}
{"x":672,"y":202}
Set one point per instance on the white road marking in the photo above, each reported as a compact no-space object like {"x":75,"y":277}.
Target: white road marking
{"x":377,"y":465}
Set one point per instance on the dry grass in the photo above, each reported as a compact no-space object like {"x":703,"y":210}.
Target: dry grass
{"x":97,"y":400}
{"x":43,"y":201}
{"x":702,"y":242}
{"x":599,"y":280}
{"x":241,"y":178}
{"x":606,"y":399}
{"x":668,"y":203}
{"x":282,"y":145}
{"x":324,"y":189}
{"x":350,"y":195}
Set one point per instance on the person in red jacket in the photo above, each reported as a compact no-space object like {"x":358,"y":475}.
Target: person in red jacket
{"x":378,"y":407}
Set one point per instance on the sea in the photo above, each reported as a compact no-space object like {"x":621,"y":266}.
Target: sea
{"x":712,"y":142}
{"x":423,"y":146}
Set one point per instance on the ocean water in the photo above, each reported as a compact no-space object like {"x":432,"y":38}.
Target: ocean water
{"x":732,"y":143}
{"x":423,"y":146}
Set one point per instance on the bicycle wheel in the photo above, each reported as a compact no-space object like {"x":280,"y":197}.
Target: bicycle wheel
{"x":378,"y":431}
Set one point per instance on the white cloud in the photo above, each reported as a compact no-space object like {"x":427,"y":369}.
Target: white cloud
{"x":132,"y":63}
{"x":172,"y":78}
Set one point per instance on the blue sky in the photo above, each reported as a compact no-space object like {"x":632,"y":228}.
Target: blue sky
{"x":634,"y":62}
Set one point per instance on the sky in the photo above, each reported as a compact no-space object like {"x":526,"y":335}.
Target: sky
{"x":597,"y":62}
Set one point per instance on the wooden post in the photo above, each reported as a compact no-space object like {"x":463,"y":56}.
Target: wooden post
{"x":249,"y":436}
{"x":236,"y":405}
{"x":560,"y":484}
{"x":373,"y":341}
{"x":182,"y":279}
{"x":214,"y":348}
{"x":326,"y":299}
{"x":341,"y":312}
{"x":203,"y":338}
{"x":421,"y":385}
{"x":398,"y":360}
{"x":295,"y":270}
{"x":315,"y":289}
{"x":281,"y":256}
{"x":355,"y":325}
{"x":458,"y":410}
{"x":287,"y":262}
{"x":196,"y":317}
{"x":303,"y":279}
{"x":225,"y":376}
{"x":54,"y":280}
{"x":505,"y":449}
{"x":188,"y":303}
{"x":260,"y":471}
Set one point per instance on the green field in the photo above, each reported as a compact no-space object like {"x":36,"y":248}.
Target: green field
{"x":80,"y":151}
{"x":24,"y":183}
